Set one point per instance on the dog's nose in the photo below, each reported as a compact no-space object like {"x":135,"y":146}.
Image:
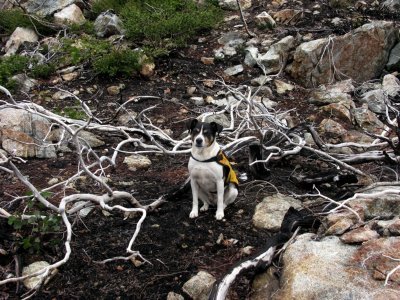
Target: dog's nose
{"x":199,"y":141}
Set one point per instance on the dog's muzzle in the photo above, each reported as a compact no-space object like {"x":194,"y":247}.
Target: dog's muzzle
{"x":199,"y":142}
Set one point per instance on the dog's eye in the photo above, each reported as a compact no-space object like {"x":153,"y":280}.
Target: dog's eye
{"x":205,"y":131}
{"x":196,"y":130}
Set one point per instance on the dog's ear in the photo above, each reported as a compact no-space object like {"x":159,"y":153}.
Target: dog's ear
{"x":215,"y":127}
{"x":191,"y":124}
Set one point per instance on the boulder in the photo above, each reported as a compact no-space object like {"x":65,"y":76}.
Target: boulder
{"x":367,"y":120}
{"x":394,"y":59}
{"x":327,"y":269}
{"x":324,"y":97}
{"x":330,"y":59}
{"x":382,"y":206}
{"x":270,"y":211}
{"x":46,"y":8}
{"x":18,"y":37}
{"x":391,"y":85}
{"x":376,"y":100}
{"x":107,"y":24}
{"x":264,"y":285}
{"x":71,"y":14}
{"x":375,"y":257}
{"x":276,"y":55}
{"x":199,"y":286}
{"x":359,"y":235}
{"x":331,"y":129}
{"x":24,"y":83}
{"x":391,"y":5}
{"x":23,"y":134}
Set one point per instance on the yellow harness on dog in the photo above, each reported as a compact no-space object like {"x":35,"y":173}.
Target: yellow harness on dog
{"x":229,"y":173}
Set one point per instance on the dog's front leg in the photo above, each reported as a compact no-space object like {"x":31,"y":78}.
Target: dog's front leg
{"x":195,"y":194}
{"x":220,"y":200}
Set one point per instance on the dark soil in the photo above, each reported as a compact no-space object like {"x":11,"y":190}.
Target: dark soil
{"x":175,"y":246}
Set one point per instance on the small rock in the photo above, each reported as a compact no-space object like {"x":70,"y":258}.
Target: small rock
{"x":270,"y":212}
{"x":127,"y":117}
{"x":282,"y":87}
{"x":359,"y":235}
{"x":69,"y":15}
{"x":18,"y":37}
{"x":174,"y":296}
{"x":247,"y":250}
{"x":114,"y":90}
{"x":147,"y":69}
{"x":207,"y":60}
{"x":61,"y":95}
{"x":199,"y":286}
{"x":197,"y":100}
{"x":288,"y":16}
{"x":53,"y":181}
{"x":137,"y":161}
{"x":339,"y":227}
{"x":70,"y":76}
{"x":108,"y":24}
{"x":190,"y":90}
{"x":261,"y":80}
{"x":32,"y":282}
{"x":234,"y":70}
{"x":265,"y":20}
{"x":337,"y":21}
{"x":251,"y":56}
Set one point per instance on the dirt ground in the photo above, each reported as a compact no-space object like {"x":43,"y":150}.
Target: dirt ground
{"x":175,"y":246}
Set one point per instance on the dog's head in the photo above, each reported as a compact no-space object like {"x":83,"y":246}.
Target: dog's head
{"x":203,"y":134}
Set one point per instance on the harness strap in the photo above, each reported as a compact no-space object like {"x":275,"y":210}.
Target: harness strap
{"x":212,"y":159}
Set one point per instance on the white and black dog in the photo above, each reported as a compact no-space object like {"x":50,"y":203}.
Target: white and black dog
{"x":211,"y":176}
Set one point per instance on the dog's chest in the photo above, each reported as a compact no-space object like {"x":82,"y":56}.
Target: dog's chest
{"x":205,"y":174}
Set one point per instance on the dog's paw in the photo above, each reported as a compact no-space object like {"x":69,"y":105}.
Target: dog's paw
{"x":193,"y":214}
{"x":219,"y":215}
{"x":204,"y":207}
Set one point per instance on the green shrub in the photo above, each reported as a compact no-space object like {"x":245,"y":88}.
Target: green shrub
{"x":167,"y":24}
{"x":10,"y":66}
{"x":43,"y":70}
{"x":162,"y":24}
{"x":118,"y":62}
{"x":11,"y":19}
{"x":100,"y":6}
{"x":83,"y":50}
{"x":37,"y":231}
